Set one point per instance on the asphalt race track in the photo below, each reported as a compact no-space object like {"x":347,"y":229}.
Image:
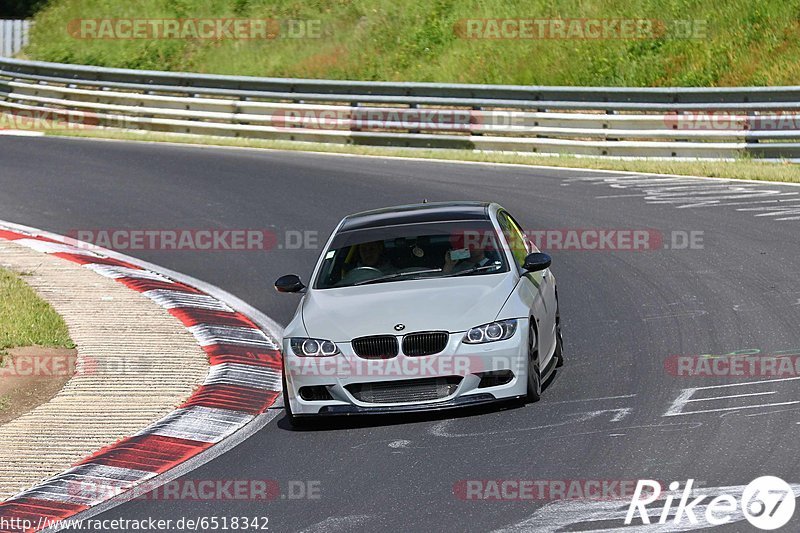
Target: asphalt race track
{"x":609,"y":413}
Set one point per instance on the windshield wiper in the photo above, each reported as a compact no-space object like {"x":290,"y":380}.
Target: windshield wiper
{"x":474,"y":269}
{"x":396,"y":275}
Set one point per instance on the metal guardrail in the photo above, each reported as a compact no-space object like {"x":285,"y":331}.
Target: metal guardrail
{"x":759,"y":122}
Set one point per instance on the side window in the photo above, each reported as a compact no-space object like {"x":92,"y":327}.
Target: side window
{"x":514,"y":236}
{"x":529,"y":248}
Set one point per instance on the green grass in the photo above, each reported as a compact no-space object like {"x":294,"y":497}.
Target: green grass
{"x":26,"y":319}
{"x":744,"y":43}
{"x":739,"y":169}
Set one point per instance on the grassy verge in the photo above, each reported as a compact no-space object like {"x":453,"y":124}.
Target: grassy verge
{"x":693,"y":42}
{"x":26,"y":319}
{"x":740,"y":169}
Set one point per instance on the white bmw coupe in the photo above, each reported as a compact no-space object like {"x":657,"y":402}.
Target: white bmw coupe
{"x":420,"y":307}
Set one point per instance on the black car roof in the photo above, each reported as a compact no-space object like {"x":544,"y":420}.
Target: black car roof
{"x":416,"y":213}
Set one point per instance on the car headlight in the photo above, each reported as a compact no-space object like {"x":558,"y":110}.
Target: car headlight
{"x":305,"y":347}
{"x":495,"y":331}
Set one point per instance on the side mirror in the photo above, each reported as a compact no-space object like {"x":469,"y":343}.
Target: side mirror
{"x":536,"y":262}
{"x":289,"y":283}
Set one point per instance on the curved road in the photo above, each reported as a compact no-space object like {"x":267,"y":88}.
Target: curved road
{"x":609,"y":414}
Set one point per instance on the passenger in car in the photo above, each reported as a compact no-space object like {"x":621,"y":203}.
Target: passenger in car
{"x":464,"y":256}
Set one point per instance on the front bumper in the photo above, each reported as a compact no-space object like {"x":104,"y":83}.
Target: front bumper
{"x":465,"y":363}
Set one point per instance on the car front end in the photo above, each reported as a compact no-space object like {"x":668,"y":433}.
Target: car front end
{"x":422,"y":353}
{"x":363,"y":376}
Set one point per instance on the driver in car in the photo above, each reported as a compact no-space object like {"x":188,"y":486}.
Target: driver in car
{"x":366,"y":259}
{"x":371,"y":254}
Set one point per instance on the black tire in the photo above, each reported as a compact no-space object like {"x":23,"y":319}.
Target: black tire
{"x":559,"y":352}
{"x":534,"y":372}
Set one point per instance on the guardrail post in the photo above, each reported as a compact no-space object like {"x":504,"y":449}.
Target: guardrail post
{"x":677,"y":122}
{"x":605,"y":125}
{"x":749,"y":138}
{"x":414,"y":106}
{"x":470,"y":130}
{"x":353,"y":127}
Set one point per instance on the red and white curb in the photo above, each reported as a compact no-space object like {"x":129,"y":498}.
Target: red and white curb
{"x":243,"y":382}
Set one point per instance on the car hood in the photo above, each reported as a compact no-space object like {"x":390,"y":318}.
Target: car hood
{"x":451,"y":304}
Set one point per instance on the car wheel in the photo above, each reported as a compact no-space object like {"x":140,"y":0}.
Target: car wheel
{"x":534,"y":373}
{"x":559,"y":353}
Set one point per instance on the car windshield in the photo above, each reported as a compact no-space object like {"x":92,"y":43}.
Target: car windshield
{"x":411,"y":251}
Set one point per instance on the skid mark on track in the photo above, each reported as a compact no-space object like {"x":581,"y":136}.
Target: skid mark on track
{"x":594,"y":399}
{"x":338,"y":523}
{"x":441,"y":428}
{"x":687,"y":193}
{"x":678,"y":314}
{"x":455,"y":441}
{"x":393,"y":444}
{"x":614,"y":412}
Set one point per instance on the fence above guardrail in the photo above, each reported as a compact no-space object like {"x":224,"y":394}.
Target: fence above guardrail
{"x":603,"y":121}
{"x":13,"y":36}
